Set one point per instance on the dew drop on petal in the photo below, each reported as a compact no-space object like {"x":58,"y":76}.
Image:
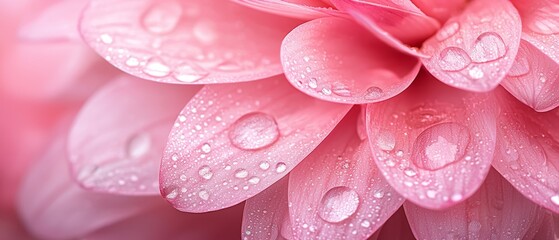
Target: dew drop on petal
{"x":138,"y":146}
{"x":281,"y":167}
{"x":206,"y":148}
{"x":338,"y":204}
{"x":205,"y":172}
{"x":189,"y":73}
{"x":254,"y":131}
{"x":555,"y":199}
{"x":106,"y":38}
{"x":254,"y":180}
{"x":386,"y":141}
{"x":132,"y":62}
{"x":204,"y":195}
{"x":341,"y":90}
{"x":488,"y":47}
{"x":440,"y":145}
{"x":421,"y":117}
{"x":163,"y":17}
{"x":313,"y":83}
{"x":453,"y":59}
{"x":155,"y":67}
{"x":373,"y":93}
{"x":172,"y":195}
{"x":264,"y":165}
{"x":476,"y":73}
{"x":241,"y":173}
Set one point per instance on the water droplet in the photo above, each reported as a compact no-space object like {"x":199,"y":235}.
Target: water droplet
{"x":378,"y":194}
{"x":204,"y":32}
{"x":476,"y":73}
{"x":431,"y":194}
{"x":338,"y":204}
{"x":132,"y":62}
{"x":241,"y":173}
{"x":341,"y":90}
{"x":205,"y":172}
{"x":172,"y":195}
{"x":182,"y":118}
{"x":254,"y":180}
{"x":183,"y":177}
{"x":254,"y":131}
{"x":189,"y":73}
{"x":421,"y":117}
{"x":313,"y":83}
{"x":555,"y":199}
{"x":264,"y":165}
{"x":326,"y":91}
{"x":306,"y":58}
{"x":204,"y":195}
{"x":448,"y":30}
{"x":162,"y":17}
{"x":365,"y":224}
{"x":410,"y":172}
{"x":206,"y":148}
{"x":440,"y":145}
{"x":456,"y":197}
{"x":174,"y":157}
{"x":281,"y":167}
{"x":488,"y":47}
{"x":453,"y":59}
{"x":138,"y":146}
{"x":373,"y":93}
{"x":386,"y":141}
{"x":520,"y":66}
{"x":155,"y":67}
{"x":106,"y":38}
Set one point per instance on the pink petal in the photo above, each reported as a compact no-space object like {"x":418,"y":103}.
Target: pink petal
{"x":233,"y":141}
{"x":540,"y":25}
{"x":534,"y":78}
{"x":52,"y":206}
{"x":528,"y":149}
{"x":335,"y":60}
{"x":186,"y":42}
{"x":442,"y":10}
{"x":549,"y":228}
{"x":474,"y":51}
{"x":266,"y":212}
{"x":337,"y":190}
{"x":119,"y":136}
{"x":390,"y":21}
{"x":496,"y":210}
{"x":396,"y":228}
{"x":58,"y":21}
{"x":433,"y":143}
{"x":302,"y":9}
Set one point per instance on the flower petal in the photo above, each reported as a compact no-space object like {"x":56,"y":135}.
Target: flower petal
{"x":496,"y":209}
{"x":58,"y":21}
{"x":187,"y":42}
{"x":527,"y":149}
{"x":540,"y":25}
{"x":433,"y":143}
{"x":396,"y":228}
{"x":549,"y":229}
{"x":442,"y":10}
{"x":474,"y":51}
{"x":265,"y":213}
{"x":337,"y":190}
{"x":302,"y":9}
{"x":121,"y":152}
{"x":52,"y":206}
{"x":233,"y":141}
{"x":534,"y":78}
{"x":336,"y":60}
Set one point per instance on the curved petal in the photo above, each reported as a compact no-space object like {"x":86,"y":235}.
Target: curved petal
{"x":337,"y":190}
{"x":496,"y":210}
{"x":233,"y":141}
{"x":265,"y":213}
{"x":186,"y":42}
{"x":52,"y":206}
{"x":474,"y":51}
{"x":302,"y":9}
{"x":121,"y":153}
{"x":396,"y":228}
{"x":534,"y":78}
{"x":433,"y":143}
{"x":540,"y":25}
{"x":528,"y":149}
{"x":549,"y":229}
{"x":336,"y":60}
{"x":442,"y":10}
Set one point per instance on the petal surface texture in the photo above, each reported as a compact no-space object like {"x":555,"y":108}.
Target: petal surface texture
{"x":474,"y":51}
{"x":118,"y":138}
{"x":496,"y":211}
{"x":337,"y":192}
{"x":59,"y":21}
{"x":527,"y":152}
{"x":534,"y":78}
{"x":232,"y":141}
{"x":442,"y":10}
{"x":186,"y":42}
{"x":336,"y":60}
{"x":433,"y":143}
{"x":304,"y":9}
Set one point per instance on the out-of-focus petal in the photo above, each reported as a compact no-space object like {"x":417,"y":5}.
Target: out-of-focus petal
{"x":57,"y":22}
{"x":474,"y":51}
{"x":496,"y":210}
{"x":52,"y":206}
{"x":118,"y":138}
{"x":186,"y":42}
{"x":302,"y":9}
{"x":527,"y":151}
{"x":233,"y":141}
{"x":337,"y":191}
{"x":433,"y":143}
{"x":396,"y":228}
{"x":549,"y":228}
{"x":265,"y":213}
{"x":336,"y":60}
{"x":442,"y":10}
{"x":534,"y":78}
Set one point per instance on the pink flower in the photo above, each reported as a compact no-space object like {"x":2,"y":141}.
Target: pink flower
{"x":391,"y":103}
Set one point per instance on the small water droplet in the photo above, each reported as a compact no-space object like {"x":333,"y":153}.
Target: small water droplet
{"x":386,"y":141}
{"x":264,"y":165}
{"x":453,"y":59}
{"x":326,"y":91}
{"x":162,"y":17}
{"x":365,"y":224}
{"x":189,"y":73}
{"x":183,"y":177}
{"x":205,"y":172}
{"x":448,"y":30}
{"x":281,"y":167}
{"x":410,"y":172}
{"x":456,"y":197}
{"x":204,"y":195}
{"x":338,"y":204}
{"x":174,"y":157}
{"x":555,"y":199}
{"x":172,"y":195}
{"x":378,"y":194}
{"x":254,"y":180}
{"x":488,"y":47}
{"x":206,"y":148}
{"x":106,"y":38}
{"x":241,"y":173}
{"x":138,"y":146}
{"x":155,"y":67}
{"x":254,"y":131}
{"x":373,"y":93}
{"x":341,"y":90}
{"x":476,"y":73}
{"x":440,"y":145}
{"x":431,"y":194}
{"x":132,"y":62}
{"x":313,"y":83}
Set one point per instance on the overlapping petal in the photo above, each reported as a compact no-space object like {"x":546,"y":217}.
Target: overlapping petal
{"x":186,"y":42}
{"x":121,"y":153}
{"x":433,"y":143}
{"x":336,"y":60}
{"x":474,"y":51}
{"x":232,"y":141}
{"x":302,"y":9}
{"x":57,"y":22}
{"x":442,"y":10}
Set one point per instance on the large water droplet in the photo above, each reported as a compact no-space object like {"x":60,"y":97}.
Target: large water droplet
{"x":454,"y":59}
{"x":488,"y":47}
{"x":163,"y":17}
{"x":138,"y":145}
{"x":440,"y":145}
{"x":155,"y":67}
{"x":189,"y":73}
{"x":448,"y":30}
{"x":205,"y":172}
{"x":254,"y":131}
{"x":338,"y":204}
